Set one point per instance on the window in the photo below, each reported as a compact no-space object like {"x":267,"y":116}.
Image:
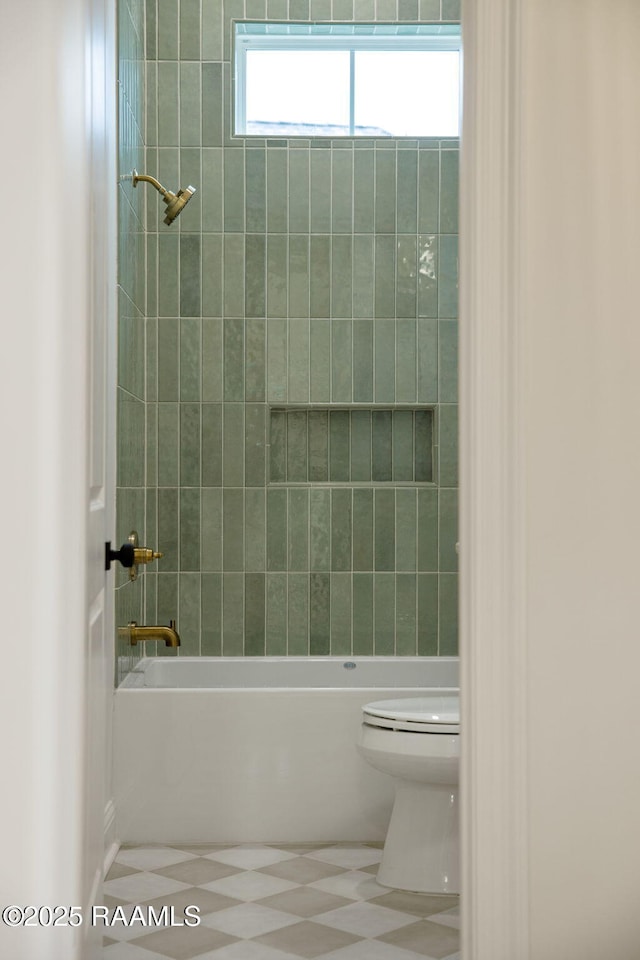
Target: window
{"x":311,"y":80}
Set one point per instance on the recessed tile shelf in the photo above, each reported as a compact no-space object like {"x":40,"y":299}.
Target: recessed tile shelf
{"x":356,"y":446}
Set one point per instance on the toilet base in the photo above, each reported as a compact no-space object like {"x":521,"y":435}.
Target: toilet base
{"x":421,"y":851}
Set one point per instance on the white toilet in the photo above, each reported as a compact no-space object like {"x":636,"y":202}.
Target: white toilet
{"x":416,"y":740}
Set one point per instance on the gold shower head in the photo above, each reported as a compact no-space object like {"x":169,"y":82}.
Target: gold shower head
{"x":175,"y":202}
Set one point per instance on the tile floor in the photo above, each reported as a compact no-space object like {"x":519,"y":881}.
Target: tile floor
{"x":273,"y":902}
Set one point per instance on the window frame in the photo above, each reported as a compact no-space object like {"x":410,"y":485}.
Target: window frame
{"x":280,"y":37}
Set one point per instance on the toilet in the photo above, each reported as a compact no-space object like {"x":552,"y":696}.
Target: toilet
{"x":416,"y":741}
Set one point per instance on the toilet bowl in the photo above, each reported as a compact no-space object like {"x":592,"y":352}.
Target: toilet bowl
{"x":416,"y":741}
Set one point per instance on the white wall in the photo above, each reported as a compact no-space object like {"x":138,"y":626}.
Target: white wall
{"x":552,"y":525}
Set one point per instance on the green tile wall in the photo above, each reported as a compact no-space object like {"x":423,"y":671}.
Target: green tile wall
{"x":133,"y":346}
{"x":305,"y":276}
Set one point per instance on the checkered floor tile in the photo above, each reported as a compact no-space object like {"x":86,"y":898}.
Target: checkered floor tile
{"x":269,"y":902}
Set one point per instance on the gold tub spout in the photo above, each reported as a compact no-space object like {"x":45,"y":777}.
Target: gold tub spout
{"x":142,"y":634}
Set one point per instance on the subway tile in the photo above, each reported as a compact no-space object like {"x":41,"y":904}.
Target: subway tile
{"x":212,"y":103}
{"x":363,"y":529}
{"x":277,"y":446}
{"x":190,"y":104}
{"x":297,"y":459}
{"x":298,"y":278}
{"x":255,"y":445}
{"x":423,"y":444}
{"x":448,"y":277}
{"x":211,"y":444}
{"x":276,"y":360}
{"x":427,"y":361}
{"x":362,"y":361}
{"x":448,"y":615}
{"x":298,"y":615}
{"x":298,"y":9}
{"x":232,"y":529}
{"x":255,"y":360}
{"x":131,"y":432}
{"x":233,"y":258}
{"x":167,"y":606}
{"x":385,"y":529}
{"x":428,"y":530}
{"x":320,"y":352}
{"x":276,"y":614}
{"x":254,"y":615}
{"x":449,"y":191}
{"x":168,"y":444}
{"x":299,"y":203}
{"x":362,"y":614}
{"x":256,"y":192}
{"x":451,"y":10}
{"x":320,"y":191}
{"x":428,"y":190}
{"x":255,"y":276}
{"x":212,"y":359}
{"x":168,"y":100}
{"x":340,"y":587}
{"x":298,"y":530}
{"x":318,"y":439}
{"x":341,"y":529}
{"x":384,"y":370}
{"x":407,"y":277}
{"x":211,"y":534}
{"x":341,"y":361}
{"x":211,"y":615}
{"x":448,"y":444}
{"x":277,"y":191}
{"x":319,"y":614}
{"x":255,"y":9}
{"x":255,"y":529}
{"x":320,"y":9}
{"x":276,"y":530}
{"x":298,"y":361}
{"x":277,"y":9}
{"x":190,"y":434}
{"x":385,"y":253}
{"x":168,"y":268}
{"x":151,"y":29}
{"x":406,"y":522}
{"x":168,"y":29}
{"x":232,"y":450}
{"x":151,"y":447}
{"x":384,"y":614}
{"x":427,"y":276}
{"x":403,"y":455}
{"x":233,"y":614}
{"x":363,"y":276}
{"x":341,"y":276}
{"x":277,"y":276}
{"x":190,"y":358}
{"x":448,"y":530}
{"x":189,"y":614}
{"x":168,"y":527}
{"x":429,"y":9}
{"x":234,"y":194}
{"x":405,"y":357}
{"x":151,"y":104}
{"x":406,"y":619}
{"x":342,"y":10}
{"x":360,"y":445}
{"x":364,"y":191}
{"x":339,"y":445}
{"x":320,"y":277}
{"x":190,"y":291}
{"x":385,"y":191}
{"x":319,"y":529}
{"x":189,"y":29}
{"x":448,"y":360}
{"x":381,"y":459}
{"x":342,"y":192}
{"x":364,"y":10}
{"x":190,"y":528}
{"x":234,"y":360}
{"x":212,"y":276}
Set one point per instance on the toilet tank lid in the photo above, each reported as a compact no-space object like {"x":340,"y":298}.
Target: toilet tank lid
{"x":441,"y":707}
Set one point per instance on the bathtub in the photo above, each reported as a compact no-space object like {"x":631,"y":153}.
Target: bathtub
{"x":233,"y":749}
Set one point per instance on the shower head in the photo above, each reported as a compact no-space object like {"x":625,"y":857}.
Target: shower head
{"x":176,"y":202}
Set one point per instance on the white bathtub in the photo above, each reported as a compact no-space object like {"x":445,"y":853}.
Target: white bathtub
{"x":256,"y":748}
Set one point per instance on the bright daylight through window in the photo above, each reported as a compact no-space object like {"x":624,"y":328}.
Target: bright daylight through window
{"x":333,"y":80}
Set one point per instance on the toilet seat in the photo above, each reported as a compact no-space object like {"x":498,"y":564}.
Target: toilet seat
{"x":436,"y":712}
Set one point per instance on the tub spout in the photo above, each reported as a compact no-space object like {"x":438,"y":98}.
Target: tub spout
{"x":142,"y":634}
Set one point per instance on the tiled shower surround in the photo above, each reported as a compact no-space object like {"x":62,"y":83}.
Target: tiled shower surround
{"x":301,"y":335}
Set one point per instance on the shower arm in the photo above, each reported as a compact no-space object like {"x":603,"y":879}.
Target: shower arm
{"x":136,"y":177}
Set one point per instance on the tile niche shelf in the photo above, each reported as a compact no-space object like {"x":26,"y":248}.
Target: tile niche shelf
{"x":351,"y":445}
